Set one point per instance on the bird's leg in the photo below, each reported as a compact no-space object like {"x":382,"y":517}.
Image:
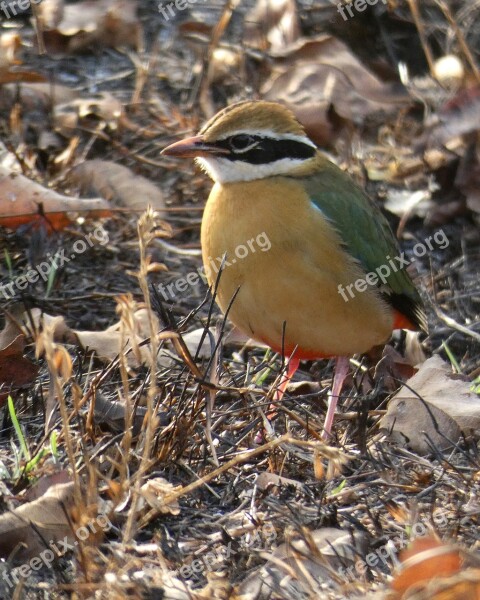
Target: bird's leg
{"x":292,"y":366}
{"x":342,"y":365}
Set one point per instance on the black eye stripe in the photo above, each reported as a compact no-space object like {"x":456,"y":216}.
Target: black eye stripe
{"x":267,"y":150}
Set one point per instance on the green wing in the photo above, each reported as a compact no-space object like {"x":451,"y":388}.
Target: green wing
{"x":366,"y":234}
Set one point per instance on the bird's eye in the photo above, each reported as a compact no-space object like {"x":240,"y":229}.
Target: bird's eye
{"x":242,"y":142}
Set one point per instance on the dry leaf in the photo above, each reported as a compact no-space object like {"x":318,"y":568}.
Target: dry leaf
{"x":315,"y":555}
{"x":112,"y":413}
{"x":155,"y":491}
{"x":459,"y":117}
{"x":16,"y":371}
{"x":447,"y":407}
{"x":272,"y":24}
{"x":101,"y":107}
{"x":35,"y":98}
{"x":118,"y":185}
{"x":26,"y":201}
{"x":266,"y":481}
{"x":313,"y":75}
{"x":99,"y":23}
{"x":36,"y":524}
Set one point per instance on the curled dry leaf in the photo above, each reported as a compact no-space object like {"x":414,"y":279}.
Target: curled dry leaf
{"x":223,"y":63}
{"x":62,"y":363}
{"x":118,"y":185}
{"x":439,"y":408}
{"x":155,"y":491}
{"x":392,"y":368}
{"x":26,"y":201}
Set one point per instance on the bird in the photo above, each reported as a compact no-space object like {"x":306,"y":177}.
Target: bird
{"x":330,"y":284}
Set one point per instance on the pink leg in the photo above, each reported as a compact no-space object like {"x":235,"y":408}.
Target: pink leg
{"x":292,"y":366}
{"x":342,"y":365}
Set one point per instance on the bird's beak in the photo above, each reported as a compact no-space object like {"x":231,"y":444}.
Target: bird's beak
{"x":191,"y":147}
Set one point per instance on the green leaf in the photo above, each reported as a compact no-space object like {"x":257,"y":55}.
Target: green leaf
{"x":451,"y":358}
{"x":339,"y":488}
{"x":8,"y":260}
{"x":18,"y":429}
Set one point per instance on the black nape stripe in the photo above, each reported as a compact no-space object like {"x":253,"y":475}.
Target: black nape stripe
{"x":266,"y":150}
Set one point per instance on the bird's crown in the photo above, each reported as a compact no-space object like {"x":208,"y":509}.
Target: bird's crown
{"x":254,"y":116}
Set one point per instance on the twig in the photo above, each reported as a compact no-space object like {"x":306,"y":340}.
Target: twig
{"x":421,"y":32}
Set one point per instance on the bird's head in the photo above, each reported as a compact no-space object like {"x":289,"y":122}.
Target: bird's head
{"x":246,"y":141}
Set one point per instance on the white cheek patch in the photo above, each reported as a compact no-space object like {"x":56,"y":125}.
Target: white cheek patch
{"x":223,"y":170}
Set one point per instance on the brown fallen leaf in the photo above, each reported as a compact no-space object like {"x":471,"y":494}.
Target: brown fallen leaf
{"x":447,"y":407}
{"x":118,"y":185}
{"x":392,"y":368}
{"x":35,"y":98}
{"x":16,"y":371}
{"x":99,"y":23}
{"x":314,"y":557}
{"x":103,"y":106}
{"x":106,"y":344}
{"x":34,"y":525}
{"x":459,"y":117}
{"x":26,"y":201}
{"x":154,"y":492}
{"x":55,"y":475}
{"x":112,"y":414}
{"x":266,"y":482}
{"x":310,"y":76}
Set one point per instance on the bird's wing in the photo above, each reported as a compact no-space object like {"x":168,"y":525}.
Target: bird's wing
{"x":366,"y":234}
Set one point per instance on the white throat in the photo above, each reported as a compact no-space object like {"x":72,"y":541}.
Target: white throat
{"x":222,"y":170}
